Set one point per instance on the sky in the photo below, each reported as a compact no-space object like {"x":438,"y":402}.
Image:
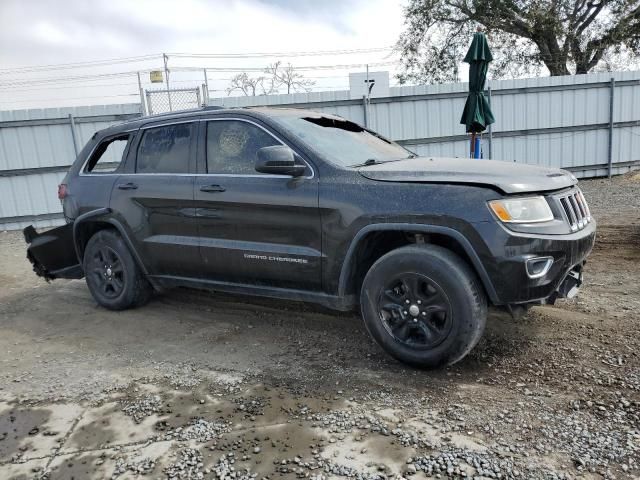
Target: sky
{"x":50,"y":32}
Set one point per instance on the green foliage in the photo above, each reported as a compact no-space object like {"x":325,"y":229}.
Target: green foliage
{"x":564,"y":36}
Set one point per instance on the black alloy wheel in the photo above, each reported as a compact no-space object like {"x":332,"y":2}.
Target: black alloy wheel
{"x":424,"y":305}
{"x":108,"y":273}
{"x":114,"y":278}
{"x":415,"y":310}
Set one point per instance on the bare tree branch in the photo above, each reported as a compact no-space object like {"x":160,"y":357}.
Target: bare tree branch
{"x":275,"y":77}
{"x":249,"y":86}
{"x":288,"y":78}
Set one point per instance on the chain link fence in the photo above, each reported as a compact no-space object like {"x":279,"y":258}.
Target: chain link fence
{"x":163,"y":101}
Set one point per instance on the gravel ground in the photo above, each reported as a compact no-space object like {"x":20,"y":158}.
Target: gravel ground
{"x":209,"y":386}
{"x":614,"y":199}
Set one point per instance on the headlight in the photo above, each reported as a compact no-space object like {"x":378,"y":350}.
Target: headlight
{"x":522,"y":210}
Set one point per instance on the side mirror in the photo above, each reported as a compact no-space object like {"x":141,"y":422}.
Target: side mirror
{"x":279,"y":160}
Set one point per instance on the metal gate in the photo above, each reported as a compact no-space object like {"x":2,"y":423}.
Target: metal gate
{"x":163,"y":101}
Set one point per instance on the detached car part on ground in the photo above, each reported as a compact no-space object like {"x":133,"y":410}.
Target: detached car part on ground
{"x":297,"y":205}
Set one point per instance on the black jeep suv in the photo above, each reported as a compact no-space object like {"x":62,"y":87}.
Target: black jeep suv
{"x":299,"y":205}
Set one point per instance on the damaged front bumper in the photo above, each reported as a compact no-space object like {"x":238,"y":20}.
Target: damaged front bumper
{"x":570,"y":286}
{"x":53,"y":253}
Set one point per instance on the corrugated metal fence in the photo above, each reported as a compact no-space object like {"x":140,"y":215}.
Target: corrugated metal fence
{"x":37,"y":147}
{"x":577,"y":122}
{"x":574,"y":122}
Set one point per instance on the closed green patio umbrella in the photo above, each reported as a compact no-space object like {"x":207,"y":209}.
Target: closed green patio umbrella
{"x":477,"y":114}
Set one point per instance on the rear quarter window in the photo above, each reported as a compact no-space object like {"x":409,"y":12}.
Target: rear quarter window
{"x":109,"y":155}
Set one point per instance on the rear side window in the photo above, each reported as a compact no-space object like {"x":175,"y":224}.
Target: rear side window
{"x":165,"y":149}
{"x":108,"y":156}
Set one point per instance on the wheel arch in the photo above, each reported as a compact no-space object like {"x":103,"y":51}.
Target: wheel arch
{"x":452,"y":238}
{"x":87,"y":224}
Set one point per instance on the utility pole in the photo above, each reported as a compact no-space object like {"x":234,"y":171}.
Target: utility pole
{"x":206,"y":83}
{"x":365,"y":99}
{"x":143,"y":108}
{"x":165,"y":57}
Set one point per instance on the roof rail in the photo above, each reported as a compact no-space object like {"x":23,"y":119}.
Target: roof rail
{"x":189,"y":110}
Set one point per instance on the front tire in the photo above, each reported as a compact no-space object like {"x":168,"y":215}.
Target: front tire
{"x":113,"y":277}
{"x":423,"y":305}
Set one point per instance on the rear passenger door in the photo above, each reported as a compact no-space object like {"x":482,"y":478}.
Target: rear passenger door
{"x":154,"y":199}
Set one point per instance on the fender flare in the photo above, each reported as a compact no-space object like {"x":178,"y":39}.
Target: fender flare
{"x":93,"y":215}
{"x":419,"y":228}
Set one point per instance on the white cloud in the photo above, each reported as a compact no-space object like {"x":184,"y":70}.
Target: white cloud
{"x":46,"y":32}
{"x":76,"y":30}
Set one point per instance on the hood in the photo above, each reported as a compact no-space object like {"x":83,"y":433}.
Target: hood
{"x":509,"y":177}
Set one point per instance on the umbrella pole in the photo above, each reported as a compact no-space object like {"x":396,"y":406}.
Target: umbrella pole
{"x":473,"y":145}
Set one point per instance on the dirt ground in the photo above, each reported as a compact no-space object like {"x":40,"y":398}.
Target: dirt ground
{"x":201,"y":385}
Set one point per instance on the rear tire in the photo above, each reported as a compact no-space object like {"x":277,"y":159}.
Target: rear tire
{"x":423,"y":305}
{"x":113,"y":276}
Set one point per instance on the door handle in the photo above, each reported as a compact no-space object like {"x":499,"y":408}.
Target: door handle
{"x":127,"y":186}
{"x":212,"y":188}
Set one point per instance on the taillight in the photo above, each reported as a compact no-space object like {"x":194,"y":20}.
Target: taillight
{"x":62,"y":191}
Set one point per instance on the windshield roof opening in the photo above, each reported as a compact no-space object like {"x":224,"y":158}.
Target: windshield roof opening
{"x":341,"y":141}
{"x":335,"y":123}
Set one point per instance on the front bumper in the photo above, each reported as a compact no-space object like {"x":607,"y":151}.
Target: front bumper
{"x":510,"y":251}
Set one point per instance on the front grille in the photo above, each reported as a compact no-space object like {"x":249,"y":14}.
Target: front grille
{"x":575,"y":209}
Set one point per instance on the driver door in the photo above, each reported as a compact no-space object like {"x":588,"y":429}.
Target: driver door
{"x":254,"y":228}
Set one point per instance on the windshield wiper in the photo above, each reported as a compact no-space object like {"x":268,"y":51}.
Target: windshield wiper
{"x":366,"y":163}
{"x":373,"y":161}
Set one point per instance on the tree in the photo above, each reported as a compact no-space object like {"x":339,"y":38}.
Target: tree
{"x":249,"y":86}
{"x":287,"y":76}
{"x":276,"y":76}
{"x":565,"y":36}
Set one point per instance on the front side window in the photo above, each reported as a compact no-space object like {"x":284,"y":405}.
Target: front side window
{"x":108,"y":156}
{"x":165,"y":149}
{"x":232,"y":146}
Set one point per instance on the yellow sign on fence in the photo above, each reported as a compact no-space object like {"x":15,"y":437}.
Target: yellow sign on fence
{"x":155,"y":76}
